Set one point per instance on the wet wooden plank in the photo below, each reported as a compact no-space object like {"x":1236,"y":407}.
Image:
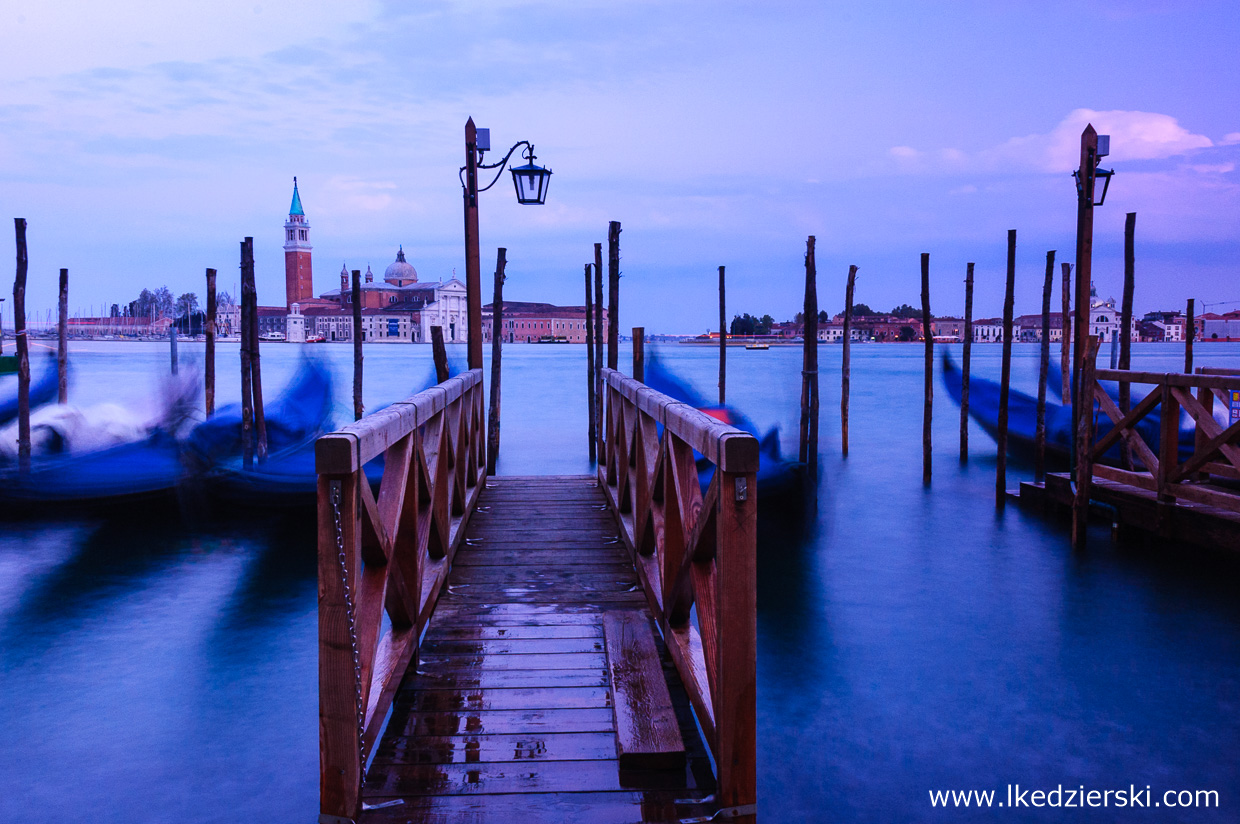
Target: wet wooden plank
{"x":492,"y":679}
{"x":576,"y":629}
{"x":545,"y":808}
{"x":437,"y":662}
{"x":593,"y":574}
{"x":647,"y":732}
{"x":514,"y":554}
{"x":433,"y":647}
{"x":405,"y":723}
{"x":522,"y":746}
{"x":458,"y":699}
{"x":407,"y":780}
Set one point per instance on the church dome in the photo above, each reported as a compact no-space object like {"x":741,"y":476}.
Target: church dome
{"x":400,"y":271}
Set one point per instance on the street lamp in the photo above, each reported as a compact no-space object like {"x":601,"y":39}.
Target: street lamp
{"x":530,"y":181}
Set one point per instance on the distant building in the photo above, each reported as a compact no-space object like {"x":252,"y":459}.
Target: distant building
{"x":527,"y":322}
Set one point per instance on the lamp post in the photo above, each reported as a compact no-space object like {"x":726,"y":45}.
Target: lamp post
{"x":530,"y":182}
{"x":1094,"y":147}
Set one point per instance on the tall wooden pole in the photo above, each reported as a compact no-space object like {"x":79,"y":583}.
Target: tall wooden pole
{"x":613,"y":295}
{"x":23,"y":347}
{"x":1125,"y":322}
{"x":256,"y":363}
{"x":1065,"y":336}
{"x":497,"y":334}
{"x":639,"y":354}
{"x":590,"y":386}
{"x":358,"y":409}
{"x":473,"y":265}
{"x":965,"y":358}
{"x":723,"y":342}
{"x":209,"y":357}
{"x":247,"y":382}
{"x":1039,"y":436}
{"x":172,"y":345}
{"x":1084,"y":444}
{"x":62,"y":338}
{"x":598,"y":347}
{"x":927,"y":334}
{"x":846,"y":360}
{"x":1006,"y":375}
{"x":809,"y":369}
{"x":439,"y":353}
{"x":1190,"y":332}
{"x":1084,"y":248}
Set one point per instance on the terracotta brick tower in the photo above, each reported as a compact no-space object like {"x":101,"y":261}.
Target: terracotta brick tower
{"x":298,"y":281}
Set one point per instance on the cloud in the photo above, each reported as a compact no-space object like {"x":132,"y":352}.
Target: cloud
{"x":1134,"y":136}
{"x":1230,"y":140}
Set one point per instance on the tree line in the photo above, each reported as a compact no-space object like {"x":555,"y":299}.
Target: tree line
{"x":161,"y":304}
{"x":747,"y":325}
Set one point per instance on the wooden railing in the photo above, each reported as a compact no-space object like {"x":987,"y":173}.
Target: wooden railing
{"x":693,"y":549}
{"x":1216,"y":450}
{"x":390,"y":552}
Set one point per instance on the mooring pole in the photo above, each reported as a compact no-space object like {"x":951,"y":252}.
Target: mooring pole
{"x":613,"y":295}
{"x":809,"y":369}
{"x":1006,"y":378}
{"x":1084,"y":444}
{"x":439,"y":353}
{"x":723,"y":342}
{"x":247,"y":382}
{"x":256,"y":371}
{"x":1044,"y":357}
{"x":23,"y":347}
{"x":846,"y":358}
{"x":1190,"y":332}
{"x":639,"y":354}
{"x":208,"y":367}
{"x":1065,"y":336}
{"x":964,"y":365}
{"x":497,"y":334}
{"x":62,"y":339}
{"x":172,"y":344}
{"x":591,"y":394}
{"x":927,"y":334}
{"x":1125,"y":324}
{"x":358,"y":408}
{"x":598,"y":349}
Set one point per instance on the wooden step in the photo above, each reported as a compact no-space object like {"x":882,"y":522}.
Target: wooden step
{"x":647,"y":733}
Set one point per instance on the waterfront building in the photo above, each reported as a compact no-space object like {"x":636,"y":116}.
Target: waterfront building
{"x":530,"y":322}
{"x":298,"y":275}
{"x":988,"y":330}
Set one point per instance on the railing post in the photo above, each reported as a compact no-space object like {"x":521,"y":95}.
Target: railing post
{"x":1168,"y":455}
{"x":736,"y":656}
{"x":340,"y":765}
{"x":1084,"y":442}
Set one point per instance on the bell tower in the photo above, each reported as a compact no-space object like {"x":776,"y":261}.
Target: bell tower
{"x":298,"y":279}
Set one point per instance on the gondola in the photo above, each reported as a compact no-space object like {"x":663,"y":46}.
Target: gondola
{"x":781,"y":482}
{"x":42,"y":389}
{"x":1022,"y":418}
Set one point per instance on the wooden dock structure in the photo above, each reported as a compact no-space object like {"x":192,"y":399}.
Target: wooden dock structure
{"x":1166,"y":493}
{"x":552,"y":649}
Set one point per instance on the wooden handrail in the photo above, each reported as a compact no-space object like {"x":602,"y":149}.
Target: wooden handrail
{"x":693,"y":550}
{"x":1216,"y":447}
{"x":394,"y":551}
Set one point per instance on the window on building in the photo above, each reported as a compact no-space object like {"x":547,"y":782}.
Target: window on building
{"x":301,"y":233}
{"x":290,"y":234}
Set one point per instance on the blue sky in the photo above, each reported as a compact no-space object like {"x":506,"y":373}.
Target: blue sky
{"x":143,"y":143}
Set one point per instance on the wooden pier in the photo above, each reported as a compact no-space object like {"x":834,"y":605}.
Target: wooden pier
{"x":555,"y":648}
{"x":1195,"y":500}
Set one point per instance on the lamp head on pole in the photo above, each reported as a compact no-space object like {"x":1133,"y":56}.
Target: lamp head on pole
{"x":531,"y":181}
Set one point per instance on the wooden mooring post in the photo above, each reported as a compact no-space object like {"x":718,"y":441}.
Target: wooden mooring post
{"x":359,"y":409}
{"x":964,"y":363}
{"x":23,"y":347}
{"x":1065,"y":336}
{"x":598,"y":346}
{"x":1190,"y":332}
{"x":591,"y":386}
{"x":1006,"y":378}
{"x":1125,"y":324}
{"x":846,"y":358}
{"x":172,"y":345}
{"x":809,"y":369}
{"x":247,"y":365}
{"x":1044,"y":356}
{"x":639,"y":354}
{"x":62,"y":339}
{"x":497,"y":336}
{"x":208,"y":367}
{"x":613,"y":295}
{"x":1084,"y":443}
{"x":927,"y":334}
{"x":439,"y":354}
{"x":723,"y":342}
{"x":256,"y":366}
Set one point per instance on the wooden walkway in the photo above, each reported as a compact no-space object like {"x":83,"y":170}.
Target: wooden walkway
{"x":507,"y":713}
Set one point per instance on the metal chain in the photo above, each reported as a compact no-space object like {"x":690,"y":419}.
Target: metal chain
{"x":334,"y":494}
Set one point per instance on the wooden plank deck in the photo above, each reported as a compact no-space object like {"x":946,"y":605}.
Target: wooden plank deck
{"x":506,"y":714}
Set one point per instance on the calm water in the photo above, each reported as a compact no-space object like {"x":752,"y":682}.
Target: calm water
{"x":917,"y":640}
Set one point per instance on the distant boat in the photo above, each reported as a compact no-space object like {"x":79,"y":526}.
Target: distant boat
{"x":315,"y":339}
{"x":273,"y":336}
{"x":757,"y":346}
{"x":552,"y":339}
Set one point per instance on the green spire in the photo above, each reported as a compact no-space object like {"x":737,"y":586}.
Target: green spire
{"x":296,"y":209}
